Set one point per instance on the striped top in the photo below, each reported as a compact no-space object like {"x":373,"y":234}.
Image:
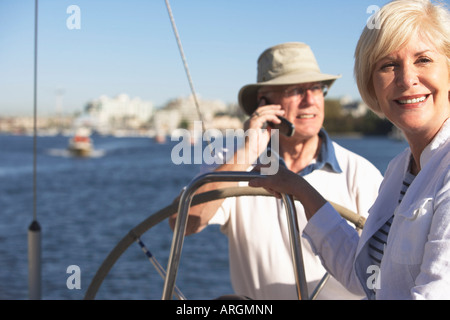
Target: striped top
{"x":378,"y":241}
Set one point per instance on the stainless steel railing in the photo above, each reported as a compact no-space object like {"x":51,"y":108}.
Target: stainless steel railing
{"x":181,"y":223}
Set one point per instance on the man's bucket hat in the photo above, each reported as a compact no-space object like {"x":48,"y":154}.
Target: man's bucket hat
{"x":284,"y":64}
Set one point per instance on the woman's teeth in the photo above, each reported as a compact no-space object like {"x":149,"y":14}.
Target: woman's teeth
{"x":415,"y":100}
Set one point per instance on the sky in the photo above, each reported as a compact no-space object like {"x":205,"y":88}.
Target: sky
{"x":128,"y":46}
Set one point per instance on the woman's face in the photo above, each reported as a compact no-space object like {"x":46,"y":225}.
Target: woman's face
{"x":412,"y":87}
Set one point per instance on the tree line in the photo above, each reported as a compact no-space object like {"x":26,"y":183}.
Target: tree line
{"x":339,"y":122}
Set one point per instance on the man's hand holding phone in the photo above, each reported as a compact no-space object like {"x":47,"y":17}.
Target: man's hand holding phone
{"x":286,"y":128}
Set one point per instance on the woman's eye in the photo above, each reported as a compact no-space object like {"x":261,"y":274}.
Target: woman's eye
{"x":424,"y":60}
{"x":387,"y":66}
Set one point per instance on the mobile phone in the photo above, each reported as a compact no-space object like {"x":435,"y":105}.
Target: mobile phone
{"x":286,"y":128}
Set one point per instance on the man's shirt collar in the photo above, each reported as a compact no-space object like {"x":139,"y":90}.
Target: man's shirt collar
{"x":327,"y":156}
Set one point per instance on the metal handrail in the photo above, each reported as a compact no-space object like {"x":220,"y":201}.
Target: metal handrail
{"x":181,"y":223}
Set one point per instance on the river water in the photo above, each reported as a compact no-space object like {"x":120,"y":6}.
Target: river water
{"x":86,"y":205}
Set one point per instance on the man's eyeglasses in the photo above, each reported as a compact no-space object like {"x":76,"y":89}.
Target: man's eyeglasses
{"x":300,"y":92}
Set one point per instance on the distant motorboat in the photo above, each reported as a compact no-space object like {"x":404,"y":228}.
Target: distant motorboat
{"x":81,"y":143}
{"x":160,"y":138}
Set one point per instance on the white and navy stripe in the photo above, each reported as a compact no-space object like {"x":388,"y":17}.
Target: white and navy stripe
{"x":378,"y":241}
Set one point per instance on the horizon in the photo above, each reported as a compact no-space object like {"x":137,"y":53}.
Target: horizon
{"x":115,"y":47}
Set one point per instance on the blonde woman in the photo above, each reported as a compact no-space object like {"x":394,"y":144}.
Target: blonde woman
{"x":402,"y":72}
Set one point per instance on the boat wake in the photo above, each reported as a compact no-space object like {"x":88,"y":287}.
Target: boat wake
{"x":65,"y":153}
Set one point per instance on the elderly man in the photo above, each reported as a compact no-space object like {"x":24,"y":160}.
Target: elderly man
{"x":289,"y":84}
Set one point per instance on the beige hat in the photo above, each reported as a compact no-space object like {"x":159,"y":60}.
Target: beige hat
{"x":284,"y":64}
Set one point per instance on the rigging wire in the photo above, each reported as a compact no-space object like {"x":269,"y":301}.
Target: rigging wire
{"x":158,"y":267}
{"x":186,"y":68}
{"x":34,"y":230}
{"x":35,"y":111}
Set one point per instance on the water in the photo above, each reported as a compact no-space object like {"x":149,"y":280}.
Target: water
{"x":86,"y":205}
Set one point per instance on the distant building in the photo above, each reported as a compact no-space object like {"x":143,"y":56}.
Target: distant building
{"x":354,"y":108}
{"x":166,"y":121}
{"x":120,"y":112}
{"x":44,"y":125}
{"x":182,"y":112}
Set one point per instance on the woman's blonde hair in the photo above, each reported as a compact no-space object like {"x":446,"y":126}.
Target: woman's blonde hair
{"x":393,"y":27}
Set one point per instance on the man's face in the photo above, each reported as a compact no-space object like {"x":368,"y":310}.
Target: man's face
{"x":303,"y":104}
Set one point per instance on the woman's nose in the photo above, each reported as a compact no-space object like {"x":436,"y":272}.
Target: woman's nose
{"x":407,"y":77}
